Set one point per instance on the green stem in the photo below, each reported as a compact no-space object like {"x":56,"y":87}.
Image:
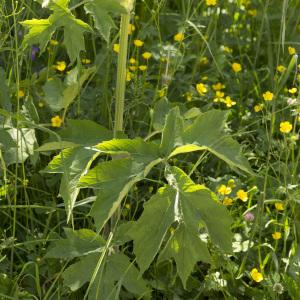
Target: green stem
{"x":121,"y":74}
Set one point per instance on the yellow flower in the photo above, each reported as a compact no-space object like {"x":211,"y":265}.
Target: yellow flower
{"x":227,"y":49}
{"x":227,"y":201}
{"x":147,"y":55}
{"x":56,"y":121}
{"x":268,"y":96}
{"x":236,"y":67}
{"x":224,"y":190}
{"x":252,"y":12}
{"x":231,"y":183}
{"x":189,"y":96}
{"x":132,"y":68}
{"x":86,"y":61}
{"x":138,"y":43}
{"x":53,"y":42}
{"x":258,"y":107}
{"x":279,"y":206}
{"x":280,"y":68}
{"x":179,"y":37}
{"x":161,"y":93}
{"x":204,"y":61}
{"x":128,"y":76}
{"x":229,"y":102}
{"x":132,"y":61}
{"x":201,"y":88}
{"x":116,"y":48}
{"x":242,"y":195}
{"x":60,"y":66}
{"x":143,"y":68}
{"x":256,"y":276}
{"x":218,"y":86}
{"x":21,"y":93}
{"x":127,"y":205}
{"x":131,"y":28}
{"x":293,"y":90}
{"x":211,"y":2}
{"x":276,"y":235}
{"x":219,"y":96}
{"x":286,"y":127}
{"x":291,"y":50}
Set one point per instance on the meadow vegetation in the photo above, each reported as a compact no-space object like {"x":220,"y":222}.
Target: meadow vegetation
{"x":149,"y":149}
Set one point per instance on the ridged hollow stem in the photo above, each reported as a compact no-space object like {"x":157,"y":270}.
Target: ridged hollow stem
{"x":121,"y":74}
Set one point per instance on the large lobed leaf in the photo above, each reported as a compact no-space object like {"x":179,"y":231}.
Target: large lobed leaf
{"x":205,"y":133}
{"x":191,"y":206}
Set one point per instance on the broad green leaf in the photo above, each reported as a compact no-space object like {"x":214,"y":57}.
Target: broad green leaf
{"x":53,"y":90}
{"x":85,"y":132}
{"x":172,"y":132}
{"x":160,"y":110}
{"x":206,"y":132}
{"x":197,"y":205}
{"x":76,"y":244}
{"x":24,"y":140}
{"x":4,"y":92}
{"x":149,"y":231}
{"x":74,"y":277}
{"x":187,"y":249}
{"x":40,"y":31}
{"x":72,"y":163}
{"x":117,"y":270}
{"x":113,"y":179}
{"x":138,"y":149}
{"x":6,"y":140}
{"x":56,"y":146}
{"x":99,"y":10}
{"x":193,"y":207}
{"x":60,"y":95}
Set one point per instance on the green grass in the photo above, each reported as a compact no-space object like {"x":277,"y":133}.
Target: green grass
{"x":45,"y":191}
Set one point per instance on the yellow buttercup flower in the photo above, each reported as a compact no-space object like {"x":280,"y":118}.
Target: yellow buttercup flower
{"x":231,"y":183}
{"x":218,"y":86}
{"x":219,"y":96}
{"x":276,"y":235}
{"x":21,"y":93}
{"x":291,"y":50}
{"x":280,"y":69}
{"x":147,"y":55}
{"x":53,"y":42}
{"x":60,"y":66}
{"x":131,"y":28}
{"x":161,"y":93}
{"x":229,"y":102}
{"x":293,"y":90}
{"x":227,"y":49}
{"x":227,"y":201}
{"x":236,"y":67}
{"x":242,"y":195}
{"x":132,"y":68}
{"x":179,"y":37}
{"x":128,"y":76}
{"x":201,"y":88}
{"x":256,"y":276}
{"x":86,"y":61}
{"x":143,"y":68}
{"x":56,"y":121}
{"x":189,"y":96}
{"x":258,"y":107}
{"x":116,"y":48}
{"x":279,"y":206}
{"x":286,"y":127}
{"x":132,"y":61}
{"x":252,"y":12}
{"x":211,"y":2}
{"x":224,"y":190}
{"x":138,"y":43}
{"x":268,"y":96}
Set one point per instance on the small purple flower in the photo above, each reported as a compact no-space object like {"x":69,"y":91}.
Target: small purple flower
{"x":249,"y":217}
{"x":34,"y":51}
